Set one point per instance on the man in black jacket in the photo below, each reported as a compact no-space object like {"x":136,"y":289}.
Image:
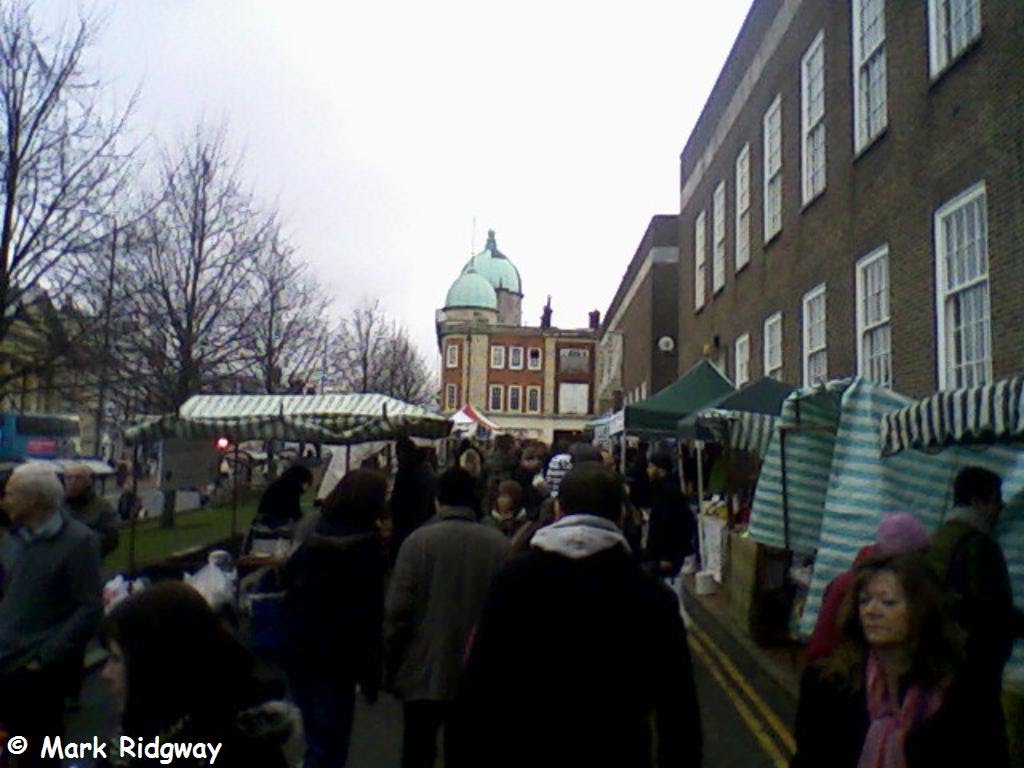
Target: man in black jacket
{"x":576,"y":626}
{"x":670,"y":529}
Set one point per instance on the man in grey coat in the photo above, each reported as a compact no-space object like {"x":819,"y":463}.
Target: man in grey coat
{"x":49,"y":604}
{"x":441,"y":578}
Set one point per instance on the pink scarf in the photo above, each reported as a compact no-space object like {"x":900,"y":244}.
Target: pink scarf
{"x":885,"y":744}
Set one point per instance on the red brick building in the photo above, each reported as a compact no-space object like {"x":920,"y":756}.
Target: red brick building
{"x":852,"y":196}
{"x":534,"y":381}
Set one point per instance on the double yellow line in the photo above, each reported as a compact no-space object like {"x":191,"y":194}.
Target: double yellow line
{"x":774,"y":737}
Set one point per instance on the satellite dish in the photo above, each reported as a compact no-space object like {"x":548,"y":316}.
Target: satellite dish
{"x":666,"y":344}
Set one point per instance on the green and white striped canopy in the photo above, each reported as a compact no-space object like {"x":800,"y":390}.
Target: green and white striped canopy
{"x":335,"y":419}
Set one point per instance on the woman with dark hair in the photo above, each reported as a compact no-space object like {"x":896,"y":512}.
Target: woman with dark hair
{"x":890,"y":696}
{"x":180,"y":675}
{"x":333,"y":613}
{"x":280,"y":504}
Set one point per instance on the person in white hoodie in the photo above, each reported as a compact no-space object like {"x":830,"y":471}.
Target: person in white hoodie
{"x":575,"y":626}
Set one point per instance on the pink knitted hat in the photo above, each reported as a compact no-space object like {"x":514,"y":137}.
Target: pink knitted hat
{"x":901,"y":532}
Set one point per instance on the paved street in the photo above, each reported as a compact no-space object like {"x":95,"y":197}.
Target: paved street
{"x":747,"y":716}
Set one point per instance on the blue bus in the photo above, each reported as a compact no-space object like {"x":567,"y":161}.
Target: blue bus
{"x":37,"y":435}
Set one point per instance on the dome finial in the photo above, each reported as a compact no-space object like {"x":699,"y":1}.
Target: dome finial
{"x":491,"y":244}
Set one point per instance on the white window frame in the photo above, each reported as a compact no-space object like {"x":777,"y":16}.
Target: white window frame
{"x":500,"y":390}
{"x":863,"y":135}
{"x":772,"y":326}
{"x":451,"y":396}
{"x":812,"y":69}
{"x":742,"y":252}
{"x":700,"y":260}
{"x":513,"y":354}
{"x":497,"y":357}
{"x":772,"y":135}
{"x":867,"y":326}
{"x":451,"y":356}
{"x":943,"y":50}
{"x":530,"y":390}
{"x":515,"y":390}
{"x":741,"y":360}
{"x":818,"y":292}
{"x":540,"y":359}
{"x":943,"y":294}
{"x":718,"y":239}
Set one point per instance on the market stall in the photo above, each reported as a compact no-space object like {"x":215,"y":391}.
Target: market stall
{"x":824,"y":490}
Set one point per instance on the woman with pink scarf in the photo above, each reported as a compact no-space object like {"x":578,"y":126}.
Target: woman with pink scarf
{"x":890,"y":695}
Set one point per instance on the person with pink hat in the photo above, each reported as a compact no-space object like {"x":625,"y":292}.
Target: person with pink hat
{"x":897,"y":532}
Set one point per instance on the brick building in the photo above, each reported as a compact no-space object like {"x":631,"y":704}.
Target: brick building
{"x":638,"y":352}
{"x":534,"y":381}
{"x":852,"y":196}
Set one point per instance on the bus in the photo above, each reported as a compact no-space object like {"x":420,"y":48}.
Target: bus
{"x":26,"y":436}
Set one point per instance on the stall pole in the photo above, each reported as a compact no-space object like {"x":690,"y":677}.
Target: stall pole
{"x":234,"y":495}
{"x":348,"y":457}
{"x":700,"y":497}
{"x":133,"y":510}
{"x":622,"y":452}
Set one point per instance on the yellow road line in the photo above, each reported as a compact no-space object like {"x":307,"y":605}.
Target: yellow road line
{"x":756,"y":728}
{"x":784,"y":734}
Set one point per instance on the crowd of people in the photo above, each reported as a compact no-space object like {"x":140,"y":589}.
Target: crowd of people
{"x":514,"y":582}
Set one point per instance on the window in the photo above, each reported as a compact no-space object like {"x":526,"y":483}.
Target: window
{"x":496,"y":396}
{"x":743,"y":208}
{"x":497,"y":357}
{"x":573,"y":398}
{"x":812,"y":88}
{"x":773,"y":169}
{"x":953,"y":25}
{"x":700,"y":263}
{"x":515,"y":398}
{"x":535,"y":358}
{"x":573,"y":360}
{"x":869,"y":107}
{"x":718,"y":239}
{"x":451,"y":397}
{"x":533,"y":399}
{"x":961,"y":265}
{"x":741,"y":353}
{"x":451,"y":356}
{"x":815,"y":347}
{"x":773,"y":346}
{"x":874,"y":343}
{"x":515,"y":358}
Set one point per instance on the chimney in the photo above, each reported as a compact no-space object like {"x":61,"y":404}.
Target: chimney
{"x":595,"y":319}
{"x":545,"y":317}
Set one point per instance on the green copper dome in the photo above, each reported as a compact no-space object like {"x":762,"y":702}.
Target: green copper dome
{"x":495,"y":266}
{"x":471,"y":290}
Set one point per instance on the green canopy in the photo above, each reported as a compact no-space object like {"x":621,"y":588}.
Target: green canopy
{"x":335,"y":419}
{"x":693,"y":390}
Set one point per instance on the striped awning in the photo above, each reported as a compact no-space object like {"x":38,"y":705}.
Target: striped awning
{"x":990,"y":413}
{"x":742,"y":430}
{"x":334,"y":419}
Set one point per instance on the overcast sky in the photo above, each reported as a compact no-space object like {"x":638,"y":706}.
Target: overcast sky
{"x":383,"y":129}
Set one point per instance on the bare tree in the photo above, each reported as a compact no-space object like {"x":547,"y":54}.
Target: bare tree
{"x":372,"y":353}
{"x":190,"y":281}
{"x":61,"y":167}
{"x":290,"y":328}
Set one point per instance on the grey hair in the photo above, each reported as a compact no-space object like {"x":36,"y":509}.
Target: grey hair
{"x":41,"y":481}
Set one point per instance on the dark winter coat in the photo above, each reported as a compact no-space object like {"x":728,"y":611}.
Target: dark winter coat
{"x":832,"y":723}
{"x":596,"y":644}
{"x":412,"y":500}
{"x":671,"y":525}
{"x":280,"y":503}
{"x":973,"y":568}
{"x":532,"y":496}
{"x":95,"y":512}
{"x":334,"y":606}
